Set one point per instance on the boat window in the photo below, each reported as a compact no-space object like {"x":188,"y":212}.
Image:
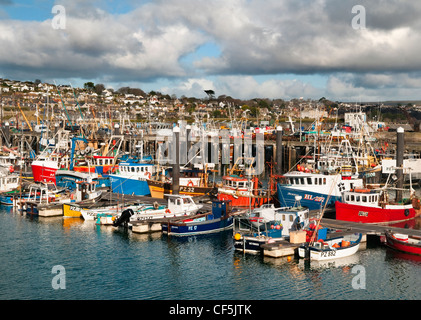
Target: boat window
{"x":352,"y":198}
{"x":324,"y":180}
{"x":302,"y":180}
{"x":358,"y":198}
{"x":291,"y":218}
{"x":283,"y":217}
{"x":347,"y":197}
{"x":364,"y":198}
{"x":309,"y":180}
{"x":320,"y":181}
{"x":241,"y":184}
{"x":315,"y":181}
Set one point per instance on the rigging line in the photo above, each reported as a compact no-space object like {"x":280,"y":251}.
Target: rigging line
{"x":62,"y":102}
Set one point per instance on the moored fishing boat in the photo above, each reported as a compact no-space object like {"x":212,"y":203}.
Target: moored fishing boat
{"x":178,"y":206}
{"x":252,"y":230}
{"x":217,"y":220}
{"x":403,"y":242}
{"x":243,"y":192}
{"x":374,"y":206}
{"x":334,"y":248}
{"x":85,"y":193}
{"x":294,"y":218}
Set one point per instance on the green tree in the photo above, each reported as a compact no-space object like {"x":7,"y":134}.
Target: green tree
{"x":89,"y":86}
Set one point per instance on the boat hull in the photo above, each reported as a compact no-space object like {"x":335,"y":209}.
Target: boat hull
{"x":72,"y":211}
{"x":365,"y":214}
{"x":197,"y":228}
{"x":402,"y":246}
{"x":322,"y":255}
{"x":328,"y":252}
{"x":123,"y":185}
{"x":158,"y":189}
{"x":243,"y":202}
{"x":44,"y":171}
{"x":311,"y":200}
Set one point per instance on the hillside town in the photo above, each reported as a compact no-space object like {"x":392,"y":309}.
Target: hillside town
{"x":94,"y":101}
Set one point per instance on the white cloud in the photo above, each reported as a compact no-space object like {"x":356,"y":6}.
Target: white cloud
{"x":148,"y":43}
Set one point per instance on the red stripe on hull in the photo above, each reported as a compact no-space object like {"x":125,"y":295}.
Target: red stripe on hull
{"x":355,"y":213}
{"x":43,"y":174}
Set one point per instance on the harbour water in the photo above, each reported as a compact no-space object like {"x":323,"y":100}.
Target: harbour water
{"x":105,"y":263}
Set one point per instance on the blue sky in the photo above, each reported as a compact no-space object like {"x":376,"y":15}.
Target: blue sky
{"x":239,"y":48}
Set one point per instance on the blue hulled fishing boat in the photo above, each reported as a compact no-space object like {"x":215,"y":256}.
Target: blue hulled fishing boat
{"x":219,"y":219}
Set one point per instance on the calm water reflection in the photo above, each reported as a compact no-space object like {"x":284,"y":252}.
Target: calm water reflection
{"x":106,"y":263}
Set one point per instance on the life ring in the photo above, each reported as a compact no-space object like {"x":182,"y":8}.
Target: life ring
{"x":148,"y":174}
{"x":190,"y":183}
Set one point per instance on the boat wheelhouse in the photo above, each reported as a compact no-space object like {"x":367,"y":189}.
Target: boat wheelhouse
{"x":315,"y":189}
{"x":242,"y":191}
{"x":102,"y":165}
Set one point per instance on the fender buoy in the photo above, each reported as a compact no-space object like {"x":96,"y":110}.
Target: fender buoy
{"x":148,"y":174}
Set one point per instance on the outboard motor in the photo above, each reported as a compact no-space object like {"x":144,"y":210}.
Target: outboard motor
{"x":124,"y":218}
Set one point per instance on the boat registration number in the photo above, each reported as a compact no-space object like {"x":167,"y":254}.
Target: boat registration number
{"x":326,"y":254}
{"x":310,"y":197}
{"x":187,"y":189}
{"x":363,"y":213}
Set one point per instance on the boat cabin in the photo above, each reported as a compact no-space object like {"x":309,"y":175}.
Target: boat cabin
{"x":362,"y":197}
{"x":86,"y":190}
{"x":304,"y":180}
{"x":237,"y":183}
{"x":177,"y":203}
{"x":137,"y":171}
{"x":9,"y":182}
